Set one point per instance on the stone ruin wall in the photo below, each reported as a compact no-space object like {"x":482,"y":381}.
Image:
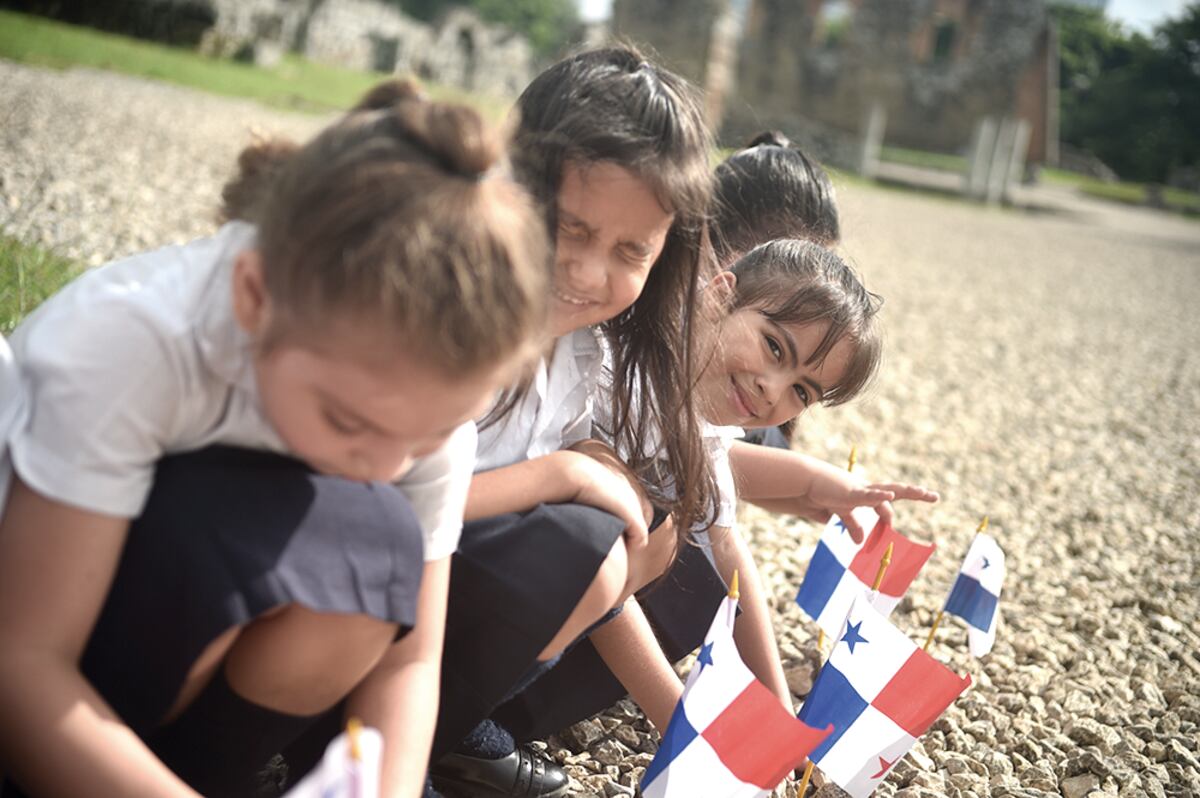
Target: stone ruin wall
{"x":458,"y":50}
{"x":936,"y":66}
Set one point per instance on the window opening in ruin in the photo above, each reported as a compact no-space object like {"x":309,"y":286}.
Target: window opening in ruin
{"x":943,"y":40}
{"x":466,"y":44}
{"x":832,"y":23}
{"x":384,"y":52}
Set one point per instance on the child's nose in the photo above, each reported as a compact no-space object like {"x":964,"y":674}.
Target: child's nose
{"x":587,"y":271}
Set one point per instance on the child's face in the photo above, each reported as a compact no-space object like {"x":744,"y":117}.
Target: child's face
{"x":757,"y":375}
{"x":366,"y":420}
{"x":611,"y":230}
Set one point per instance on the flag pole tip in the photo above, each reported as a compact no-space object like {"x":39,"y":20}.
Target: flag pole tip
{"x":353,"y":731}
{"x":853,"y":458}
{"x":983,"y":525}
{"x":733,"y":586}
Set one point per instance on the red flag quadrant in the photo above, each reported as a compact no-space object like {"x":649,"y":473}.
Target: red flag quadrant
{"x":729,"y":736}
{"x":840,"y":570}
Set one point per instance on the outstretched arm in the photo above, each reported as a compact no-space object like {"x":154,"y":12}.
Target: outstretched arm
{"x":787,"y":481}
{"x":400,"y":695}
{"x":58,"y":736}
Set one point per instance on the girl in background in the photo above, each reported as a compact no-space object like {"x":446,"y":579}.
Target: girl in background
{"x":244,"y":464}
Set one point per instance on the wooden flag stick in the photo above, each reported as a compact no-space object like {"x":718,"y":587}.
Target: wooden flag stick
{"x":883,"y":566}
{"x":983,"y":525}
{"x":353,"y":730}
{"x":808,"y":771}
{"x":733,"y":585}
{"x":933,"y":629}
{"x":853,"y":458}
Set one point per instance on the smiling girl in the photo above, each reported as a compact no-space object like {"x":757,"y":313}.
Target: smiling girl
{"x":616,"y":149}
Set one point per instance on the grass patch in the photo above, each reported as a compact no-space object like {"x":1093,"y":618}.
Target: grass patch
{"x":294,"y":84}
{"x":29,"y":275}
{"x":925,"y":160}
{"x":1175,"y":199}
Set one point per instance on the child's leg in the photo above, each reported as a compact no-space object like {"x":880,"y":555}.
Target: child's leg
{"x":252,"y":595}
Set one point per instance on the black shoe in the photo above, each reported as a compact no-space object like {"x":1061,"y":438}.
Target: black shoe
{"x":521,"y":774}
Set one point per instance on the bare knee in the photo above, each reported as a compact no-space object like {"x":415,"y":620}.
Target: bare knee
{"x":303,"y":662}
{"x":652,"y":561}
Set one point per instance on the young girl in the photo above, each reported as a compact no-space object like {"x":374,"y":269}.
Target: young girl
{"x":770,"y":189}
{"x":791,"y":285}
{"x":174,"y":610}
{"x":617,"y":150}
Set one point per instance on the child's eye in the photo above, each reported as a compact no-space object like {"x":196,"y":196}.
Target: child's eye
{"x":573,"y":231}
{"x":802,"y":392}
{"x":339,"y":424}
{"x":773,"y":345}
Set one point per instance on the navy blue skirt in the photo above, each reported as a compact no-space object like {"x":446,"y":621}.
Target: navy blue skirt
{"x":680,"y":608}
{"x":228,"y":534}
{"x":514,"y":581}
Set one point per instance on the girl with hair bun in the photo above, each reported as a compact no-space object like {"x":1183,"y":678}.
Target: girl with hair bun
{"x":242,"y":472}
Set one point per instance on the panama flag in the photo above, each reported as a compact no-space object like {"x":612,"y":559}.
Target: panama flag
{"x":976,"y":593}
{"x":729,"y":737}
{"x":349,"y":769}
{"x":881,"y":693}
{"x":841,"y":570}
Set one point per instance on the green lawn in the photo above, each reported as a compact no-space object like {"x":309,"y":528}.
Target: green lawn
{"x":294,"y":84}
{"x":926,"y":160}
{"x":1185,"y":202}
{"x":28,"y":274}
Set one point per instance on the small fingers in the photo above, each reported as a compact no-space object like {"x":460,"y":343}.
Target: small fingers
{"x":908,"y":492}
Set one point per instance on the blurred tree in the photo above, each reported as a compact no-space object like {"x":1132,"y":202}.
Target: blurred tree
{"x":1132,"y":101}
{"x":548,"y":24}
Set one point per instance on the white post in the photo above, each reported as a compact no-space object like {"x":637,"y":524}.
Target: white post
{"x":874,"y":124}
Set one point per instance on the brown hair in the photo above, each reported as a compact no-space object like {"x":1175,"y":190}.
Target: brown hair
{"x":393,"y":215}
{"x":614,"y":106}
{"x":798,"y":282}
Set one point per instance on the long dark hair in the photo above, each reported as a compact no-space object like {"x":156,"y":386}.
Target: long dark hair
{"x":614,"y":106}
{"x":771,"y":189}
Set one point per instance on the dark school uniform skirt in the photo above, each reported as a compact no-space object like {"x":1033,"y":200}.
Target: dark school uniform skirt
{"x":514,"y":581}
{"x":679,"y":607}
{"x":228,"y":534}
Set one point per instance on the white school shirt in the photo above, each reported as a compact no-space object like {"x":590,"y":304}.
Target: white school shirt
{"x":556,"y":411}
{"x":12,"y":409}
{"x":716,"y":442}
{"x":142,"y":358}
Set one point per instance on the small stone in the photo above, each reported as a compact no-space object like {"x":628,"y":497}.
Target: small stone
{"x":609,"y":752}
{"x":799,"y":676}
{"x":581,"y":735}
{"x":1086,"y":731}
{"x":1079,"y":786}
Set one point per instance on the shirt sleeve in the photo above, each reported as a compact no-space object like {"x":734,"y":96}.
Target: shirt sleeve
{"x":12,"y":412}
{"x":103,"y":392}
{"x":436,"y":488}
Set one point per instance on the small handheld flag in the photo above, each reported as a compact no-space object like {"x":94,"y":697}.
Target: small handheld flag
{"x":975,"y":596}
{"x":350,"y":768}
{"x":880,"y":692}
{"x":841,"y":570}
{"x":729,"y":737}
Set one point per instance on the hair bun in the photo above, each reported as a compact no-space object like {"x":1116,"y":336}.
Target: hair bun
{"x":769,"y":138}
{"x":390,"y":93}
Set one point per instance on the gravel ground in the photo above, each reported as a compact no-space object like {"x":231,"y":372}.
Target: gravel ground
{"x":1038,"y":371}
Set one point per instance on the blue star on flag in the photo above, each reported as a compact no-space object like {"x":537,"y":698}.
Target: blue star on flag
{"x":985,"y":562}
{"x":852,"y":636}
{"x":842,"y":525}
{"x":705,"y":656}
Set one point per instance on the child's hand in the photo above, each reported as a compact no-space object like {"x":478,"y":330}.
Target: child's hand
{"x":604,"y":482}
{"x":835,"y":491}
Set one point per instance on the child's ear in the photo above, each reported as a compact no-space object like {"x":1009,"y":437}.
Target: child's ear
{"x":722,"y":287}
{"x":251,"y":304}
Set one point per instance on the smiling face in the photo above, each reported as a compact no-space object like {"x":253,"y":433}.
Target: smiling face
{"x":611,"y":230}
{"x":758,"y":375}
